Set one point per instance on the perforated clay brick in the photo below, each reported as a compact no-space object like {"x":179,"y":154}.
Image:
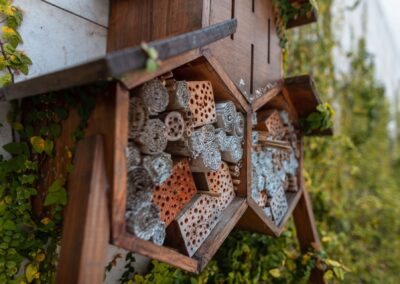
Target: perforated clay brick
{"x":197,"y":222}
{"x":202,"y":102}
{"x":175,"y":192}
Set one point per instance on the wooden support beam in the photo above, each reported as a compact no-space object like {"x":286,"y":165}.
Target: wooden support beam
{"x":86,"y":228}
{"x":307,"y":231}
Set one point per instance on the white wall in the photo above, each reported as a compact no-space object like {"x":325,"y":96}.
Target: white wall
{"x":60,"y":33}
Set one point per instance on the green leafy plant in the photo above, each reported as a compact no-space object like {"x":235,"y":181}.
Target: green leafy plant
{"x":321,"y":119}
{"x":12,"y":60}
{"x":152,"y":62}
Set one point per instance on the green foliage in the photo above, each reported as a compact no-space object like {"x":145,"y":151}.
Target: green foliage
{"x":152,"y":62}
{"x":24,"y":235}
{"x":12,"y":60}
{"x":321,"y":119}
{"x":286,"y":11}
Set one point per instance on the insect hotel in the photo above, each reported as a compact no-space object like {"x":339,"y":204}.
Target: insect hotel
{"x":176,"y":158}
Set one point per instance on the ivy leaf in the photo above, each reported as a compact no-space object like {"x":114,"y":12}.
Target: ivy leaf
{"x":55,"y":130}
{"x":5,"y":79}
{"x":57,"y":195}
{"x":276,"y":273}
{"x":18,"y":126}
{"x":38,"y":144}
{"x":17,"y":148}
{"x":48,"y":147}
{"x":151,"y":65}
{"x":9,"y":225}
{"x":31,"y":271}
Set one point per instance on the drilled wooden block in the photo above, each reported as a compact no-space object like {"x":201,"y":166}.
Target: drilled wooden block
{"x":193,"y":225}
{"x":201,"y":102}
{"x":279,"y":205}
{"x":271,"y":122}
{"x":175,"y":192}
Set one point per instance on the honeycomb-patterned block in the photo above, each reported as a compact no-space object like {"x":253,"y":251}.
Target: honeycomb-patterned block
{"x":271,"y":122}
{"x":202,"y":103}
{"x":175,"y":192}
{"x":196,"y":222}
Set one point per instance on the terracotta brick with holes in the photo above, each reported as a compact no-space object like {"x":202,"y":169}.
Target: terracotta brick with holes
{"x":202,"y":103}
{"x":193,"y":225}
{"x":175,"y":192}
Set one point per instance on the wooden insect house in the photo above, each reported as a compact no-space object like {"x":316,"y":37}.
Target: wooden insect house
{"x":177,"y":157}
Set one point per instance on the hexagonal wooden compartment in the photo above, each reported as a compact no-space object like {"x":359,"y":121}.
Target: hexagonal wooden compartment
{"x":298,"y":97}
{"x":203,"y":68}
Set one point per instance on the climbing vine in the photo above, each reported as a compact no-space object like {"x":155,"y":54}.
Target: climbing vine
{"x":12,"y":60}
{"x":28,"y":241}
{"x":286,"y":11}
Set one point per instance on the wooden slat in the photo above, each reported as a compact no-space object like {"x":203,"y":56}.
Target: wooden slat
{"x":303,"y":94}
{"x":264,"y":99}
{"x":229,"y":218}
{"x":304,"y":20}
{"x":161,"y":253}
{"x":118,"y":63}
{"x":86,"y":224}
{"x":255,"y":220}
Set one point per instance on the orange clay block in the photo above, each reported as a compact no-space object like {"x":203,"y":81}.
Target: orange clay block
{"x":195,"y":223}
{"x":201,"y":102}
{"x":175,"y":192}
{"x":271,"y":122}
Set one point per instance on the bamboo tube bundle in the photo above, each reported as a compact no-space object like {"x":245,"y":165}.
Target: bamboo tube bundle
{"x":139,"y":180}
{"x":234,"y":153}
{"x":262,"y":201}
{"x":209,"y":159}
{"x":133,"y":157}
{"x":279,"y":206}
{"x":239,"y":125}
{"x":234,"y":170}
{"x":221,"y":139}
{"x":179,"y":95}
{"x":153,"y":140}
{"x":155,"y":96}
{"x":175,"y":126}
{"x":159,"y":167}
{"x":136,"y":201}
{"x":226,"y":116}
{"x":292,"y":184}
{"x":189,"y":123}
{"x":138,"y":117}
{"x":146,"y":223}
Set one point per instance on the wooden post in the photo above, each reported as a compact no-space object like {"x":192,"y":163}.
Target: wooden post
{"x":86,"y":224}
{"x":307,"y":231}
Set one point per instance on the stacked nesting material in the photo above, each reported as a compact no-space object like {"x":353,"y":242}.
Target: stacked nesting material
{"x":182,"y":119}
{"x":275,"y":163}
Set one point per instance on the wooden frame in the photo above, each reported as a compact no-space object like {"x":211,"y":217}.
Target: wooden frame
{"x":298,"y":96}
{"x":207,"y":68}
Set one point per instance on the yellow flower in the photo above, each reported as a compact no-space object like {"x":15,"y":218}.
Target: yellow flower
{"x":7,"y":30}
{"x":45,"y":221}
{"x":10,"y":11}
{"x":40,"y":257}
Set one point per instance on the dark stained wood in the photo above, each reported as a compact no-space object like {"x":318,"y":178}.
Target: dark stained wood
{"x":229,"y":218}
{"x":86,"y":224}
{"x":256,"y":38}
{"x":255,"y":220}
{"x":117,"y":63}
{"x":303,"y":94}
{"x":134,"y":21}
{"x":303,"y":20}
{"x":161,"y":253}
{"x":265,"y":98}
